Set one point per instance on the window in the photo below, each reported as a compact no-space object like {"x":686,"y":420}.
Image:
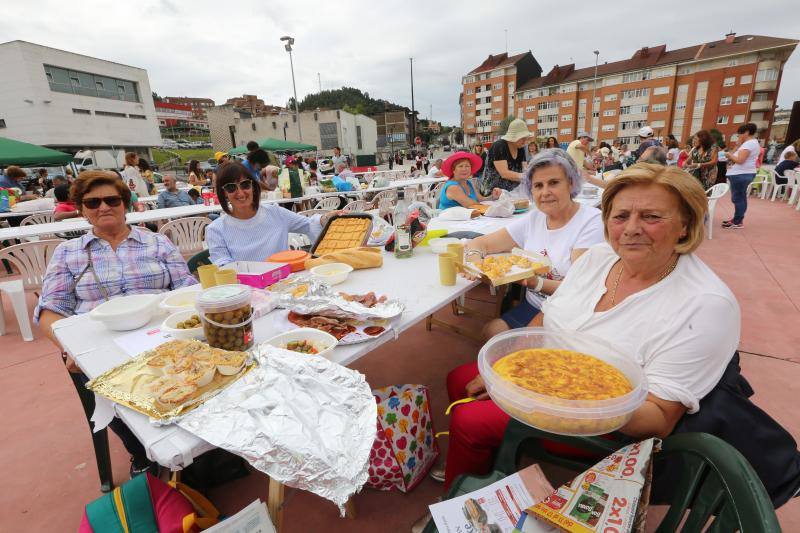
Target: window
{"x":530,"y":121}
{"x":253,"y":126}
{"x":738,"y":119}
{"x":548,"y":132}
{"x":511,"y":85}
{"x":470,"y":103}
{"x":566,"y":118}
{"x":470,"y":91}
{"x":547,"y":105}
{"x":566,"y":103}
{"x":729,"y":81}
{"x":610,"y":97}
{"x":722,"y":119}
{"x":581,"y":116}
{"x":139,"y":117}
{"x":662,"y":73}
{"x":767,"y":74}
{"x":496,"y":111}
{"x":699,"y":103}
{"x":527,"y":95}
{"x":566,"y":131}
{"x":87,"y":84}
{"x":109,"y":114}
{"x":529,"y":108}
{"x":687,"y":69}
{"x":635,"y":93}
{"x":636,"y":76}
{"x":498,"y":98}
{"x":744,"y":98}
{"x":657,"y":124}
{"x":328,"y":136}
{"x":497,"y":86}
{"x":732,"y":63}
{"x":726,"y":100}
{"x":632,"y":124}
{"x":81,"y":111}
{"x":548,"y":118}
{"x":609,"y":113}
{"x":595,"y":114}
{"x":633,"y":109}
{"x":747,"y":78}
{"x":358,"y":137}
{"x":609,"y":127}
{"x":656,"y":108}
{"x":568,"y":88}
{"x":469,"y":115}
{"x":761,"y":97}
{"x":274,"y":126}
{"x":661,"y":90}
{"x":680,"y":106}
{"x":2,"y":123}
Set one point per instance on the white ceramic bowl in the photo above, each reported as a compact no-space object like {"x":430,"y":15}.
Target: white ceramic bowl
{"x":439,"y":244}
{"x":180,"y":300}
{"x":170,"y":325}
{"x":332,"y":273}
{"x":324,"y":342}
{"x":126,"y":313}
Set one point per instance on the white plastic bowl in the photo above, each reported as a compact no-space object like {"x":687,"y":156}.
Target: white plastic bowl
{"x":439,"y":244}
{"x":558,"y":415}
{"x":180,"y":300}
{"x":332,"y":273}
{"x":126,"y":313}
{"x":170,"y":323}
{"x":324,"y":342}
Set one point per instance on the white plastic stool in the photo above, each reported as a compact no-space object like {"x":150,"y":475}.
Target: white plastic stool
{"x":16,"y":292}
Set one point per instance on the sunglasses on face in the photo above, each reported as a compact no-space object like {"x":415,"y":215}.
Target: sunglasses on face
{"x":110,"y":201}
{"x":244,"y":185}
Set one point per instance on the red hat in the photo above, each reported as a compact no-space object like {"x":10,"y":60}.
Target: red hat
{"x":475,"y":162}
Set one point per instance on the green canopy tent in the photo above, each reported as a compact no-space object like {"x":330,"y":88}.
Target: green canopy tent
{"x":277,"y":145}
{"x":25,"y":155}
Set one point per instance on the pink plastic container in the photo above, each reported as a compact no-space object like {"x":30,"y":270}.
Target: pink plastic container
{"x":259,"y":274}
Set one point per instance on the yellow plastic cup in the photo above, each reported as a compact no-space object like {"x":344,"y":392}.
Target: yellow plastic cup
{"x":457,"y":249}
{"x":432,"y":234}
{"x":206,"y":274}
{"x":447,"y":268}
{"x":226,"y":276}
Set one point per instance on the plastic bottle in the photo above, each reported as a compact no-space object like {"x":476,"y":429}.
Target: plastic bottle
{"x":402,"y":231}
{"x":4,"y":202}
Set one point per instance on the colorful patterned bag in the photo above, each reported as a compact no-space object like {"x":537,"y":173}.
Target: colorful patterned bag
{"x":404,"y":449}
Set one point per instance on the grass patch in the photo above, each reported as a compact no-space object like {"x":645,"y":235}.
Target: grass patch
{"x":201,"y":154}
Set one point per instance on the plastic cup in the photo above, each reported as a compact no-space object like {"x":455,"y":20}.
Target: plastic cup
{"x":206,"y":274}
{"x":457,"y":249}
{"x":226,"y":276}
{"x":447,"y":268}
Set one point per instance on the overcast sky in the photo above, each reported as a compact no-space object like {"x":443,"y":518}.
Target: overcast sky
{"x":221,"y":49}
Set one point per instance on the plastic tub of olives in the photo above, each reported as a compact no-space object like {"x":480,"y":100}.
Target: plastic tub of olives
{"x":227,"y":316}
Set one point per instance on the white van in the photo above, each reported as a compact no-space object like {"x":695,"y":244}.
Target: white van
{"x":99,"y":159}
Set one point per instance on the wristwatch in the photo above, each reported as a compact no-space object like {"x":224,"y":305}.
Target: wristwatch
{"x":473,"y":252}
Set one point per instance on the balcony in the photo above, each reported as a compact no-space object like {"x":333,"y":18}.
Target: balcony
{"x":762,"y":105}
{"x":761,"y":124}
{"x":761,"y":86}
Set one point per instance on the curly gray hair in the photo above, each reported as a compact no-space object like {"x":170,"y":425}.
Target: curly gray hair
{"x":553,"y":157}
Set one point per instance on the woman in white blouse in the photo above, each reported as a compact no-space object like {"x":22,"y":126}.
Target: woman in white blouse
{"x":132,"y":176}
{"x":249,"y":231}
{"x":644,"y":292}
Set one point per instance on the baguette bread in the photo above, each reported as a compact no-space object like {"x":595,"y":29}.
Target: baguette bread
{"x":363,"y":257}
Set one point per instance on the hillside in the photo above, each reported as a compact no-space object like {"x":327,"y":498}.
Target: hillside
{"x":350,"y":99}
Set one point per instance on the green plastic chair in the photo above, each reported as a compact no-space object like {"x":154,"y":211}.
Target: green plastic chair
{"x":715,"y":480}
{"x":198,"y":259}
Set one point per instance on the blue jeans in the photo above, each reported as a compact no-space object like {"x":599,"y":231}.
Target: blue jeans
{"x":739,"y":184}
{"x":521,"y":315}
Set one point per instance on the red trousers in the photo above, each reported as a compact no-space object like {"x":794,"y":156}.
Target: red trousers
{"x":476,"y":428}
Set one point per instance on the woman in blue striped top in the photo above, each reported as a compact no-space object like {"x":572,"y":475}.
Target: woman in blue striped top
{"x":249,"y":231}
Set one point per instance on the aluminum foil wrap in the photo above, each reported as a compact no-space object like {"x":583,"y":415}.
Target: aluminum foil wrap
{"x":307,"y":295}
{"x":303,"y":420}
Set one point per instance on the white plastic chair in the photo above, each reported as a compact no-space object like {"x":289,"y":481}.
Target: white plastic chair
{"x":187,"y":234}
{"x":297,"y":241}
{"x":329,"y":203}
{"x":714,"y":194}
{"x":793,"y":184}
{"x":435,"y":194}
{"x":358,"y":206}
{"x":39,"y":218}
{"x":784,"y":189}
{"x":312,"y":212}
{"x":384,"y":195}
{"x":764,"y":182}
{"x":30,"y":259}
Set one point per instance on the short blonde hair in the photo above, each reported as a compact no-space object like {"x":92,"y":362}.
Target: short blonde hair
{"x":692,"y":198}
{"x":131,"y":158}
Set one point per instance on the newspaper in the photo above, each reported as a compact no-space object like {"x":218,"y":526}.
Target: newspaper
{"x":610,"y":496}
{"x":495,"y":508}
{"x":251,"y":519}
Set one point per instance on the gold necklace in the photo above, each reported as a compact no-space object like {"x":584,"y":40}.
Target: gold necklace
{"x":667,"y":271}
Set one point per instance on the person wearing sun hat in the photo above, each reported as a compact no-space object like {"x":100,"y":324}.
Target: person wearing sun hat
{"x":458,"y":189}
{"x":506,"y":159}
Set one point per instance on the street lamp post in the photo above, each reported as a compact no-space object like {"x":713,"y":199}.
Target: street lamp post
{"x":594,"y":90}
{"x":288,"y":46}
{"x":413,"y":114}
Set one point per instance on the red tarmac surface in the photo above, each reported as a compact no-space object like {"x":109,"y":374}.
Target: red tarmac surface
{"x":47,"y":462}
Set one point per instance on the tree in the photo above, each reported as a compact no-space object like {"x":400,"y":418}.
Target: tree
{"x":719,"y":140}
{"x":156,"y":98}
{"x":459,"y":136}
{"x":504,"y":125}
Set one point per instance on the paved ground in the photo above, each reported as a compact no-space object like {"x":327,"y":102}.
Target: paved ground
{"x":48,"y":464}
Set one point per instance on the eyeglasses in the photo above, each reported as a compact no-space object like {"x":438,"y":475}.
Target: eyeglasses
{"x":110,"y":201}
{"x":244,"y":185}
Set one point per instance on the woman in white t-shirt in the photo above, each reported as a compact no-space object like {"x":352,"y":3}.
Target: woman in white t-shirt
{"x":558,"y":227}
{"x":644,"y":292}
{"x":742,"y":172}
{"x":132,"y":176}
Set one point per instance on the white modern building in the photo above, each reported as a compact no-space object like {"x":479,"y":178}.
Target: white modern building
{"x":356,"y":135}
{"x":69,"y":101}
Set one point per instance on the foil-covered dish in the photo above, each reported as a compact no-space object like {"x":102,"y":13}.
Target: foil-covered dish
{"x":172,"y":379}
{"x":306,"y":295}
{"x":304,"y":421}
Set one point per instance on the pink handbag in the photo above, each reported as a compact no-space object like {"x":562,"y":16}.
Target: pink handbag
{"x":404,"y":449}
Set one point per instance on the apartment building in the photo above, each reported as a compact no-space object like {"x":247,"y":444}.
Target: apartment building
{"x":254,"y":105}
{"x":488,"y":93}
{"x":198,"y":105}
{"x":719,"y":84}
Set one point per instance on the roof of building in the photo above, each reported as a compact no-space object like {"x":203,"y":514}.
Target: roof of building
{"x":498,"y":61}
{"x":647,"y":57}
{"x":169,"y":105}
{"x":20,"y":41}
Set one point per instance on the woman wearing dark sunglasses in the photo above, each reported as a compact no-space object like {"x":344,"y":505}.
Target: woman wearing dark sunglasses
{"x":250,"y":231}
{"x":111,"y":260}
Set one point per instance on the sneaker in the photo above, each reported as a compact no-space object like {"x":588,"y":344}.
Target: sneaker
{"x":737,"y":226}
{"x":140,"y":466}
{"x":727,"y":223}
{"x":437,"y":474}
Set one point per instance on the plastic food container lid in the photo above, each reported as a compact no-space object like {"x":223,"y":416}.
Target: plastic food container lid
{"x":224,"y":298}
{"x":294,"y":258}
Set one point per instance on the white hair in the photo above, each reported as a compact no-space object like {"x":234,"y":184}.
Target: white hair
{"x":553,"y":157}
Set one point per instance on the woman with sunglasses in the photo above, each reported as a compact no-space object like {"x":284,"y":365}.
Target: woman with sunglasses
{"x":249,"y":231}
{"x":112,"y":259}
